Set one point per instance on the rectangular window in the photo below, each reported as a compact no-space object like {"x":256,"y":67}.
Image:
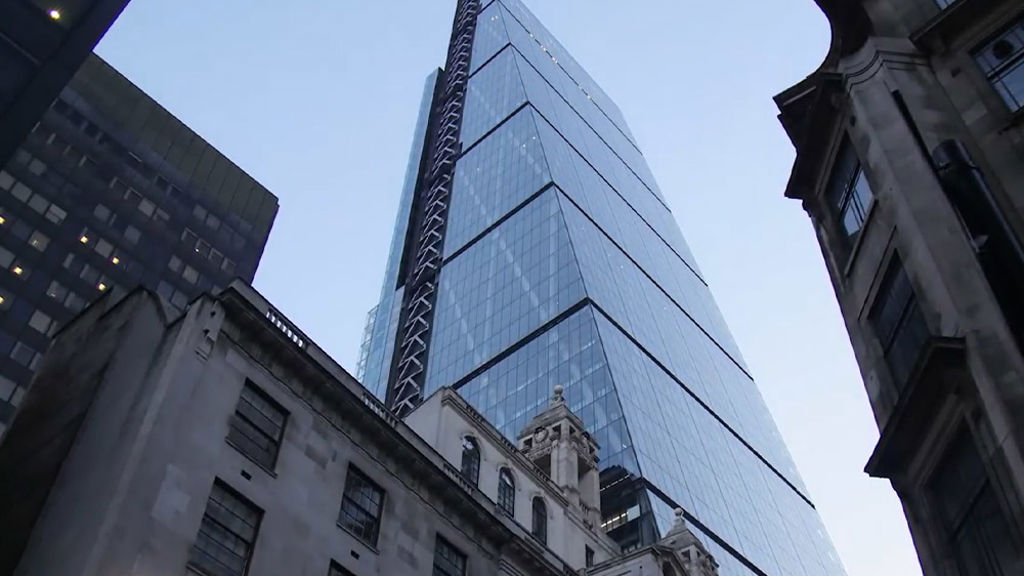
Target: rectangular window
{"x":897,"y":321}
{"x":448,"y":561}
{"x":1002,"y":61}
{"x":132,"y":234}
{"x":40,"y":321}
{"x":338,"y":570}
{"x":257,"y":426}
{"x":6,"y":180}
{"x":361,"y":506}
{"x":227,"y":533}
{"x":969,"y":513}
{"x":24,"y":354}
{"x":56,"y":214}
{"x":38,"y":203}
{"x":57,"y":291}
{"x":848,"y":192}
{"x":589,"y":553}
{"x":39,"y":241}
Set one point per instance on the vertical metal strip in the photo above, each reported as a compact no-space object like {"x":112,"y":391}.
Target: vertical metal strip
{"x":421,"y":286}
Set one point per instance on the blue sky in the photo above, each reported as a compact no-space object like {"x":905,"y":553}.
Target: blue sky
{"x":318,"y":101}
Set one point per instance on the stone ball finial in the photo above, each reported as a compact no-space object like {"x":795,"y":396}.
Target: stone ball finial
{"x":680,"y":520}
{"x":557,"y":397}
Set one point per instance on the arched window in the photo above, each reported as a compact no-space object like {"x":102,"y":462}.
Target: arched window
{"x":539,"y":527}
{"x":507,"y":492}
{"x":470,"y":459}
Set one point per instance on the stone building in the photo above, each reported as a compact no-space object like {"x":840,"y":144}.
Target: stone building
{"x":910,"y":164}
{"x":223,"y":441}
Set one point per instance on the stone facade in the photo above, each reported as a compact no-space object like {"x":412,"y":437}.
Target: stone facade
{"x":134,"y":435}
{"x":910,"y":163}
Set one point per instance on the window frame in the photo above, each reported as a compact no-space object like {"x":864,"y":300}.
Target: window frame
{"x":507,"y":491}
{"x":238,"y":498}
{"x":237,"y":415}
{"x":844,"y":194}
{"x":470,"y":468}
{"x":893,"y":334}
{"x":995,"y":73}
{"x":441,"y":544}
{"x":539,"y":523}
{"x":348,"y":496}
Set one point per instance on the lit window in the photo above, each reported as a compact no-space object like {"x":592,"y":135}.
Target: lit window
{"x":54,"y":14}
{"x":1002,"y":61}
{"x":18,"y":270}
{"x":115,"y":260}
{"x":3,"y":220}
{"x":101,"y":287}
{"x":5,"y":300}
{"x":84,"y":239}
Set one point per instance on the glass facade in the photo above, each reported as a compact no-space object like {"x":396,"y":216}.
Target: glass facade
{"x":561,"y":264}
{"x":104,"y":196}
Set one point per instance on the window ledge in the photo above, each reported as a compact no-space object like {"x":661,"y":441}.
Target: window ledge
{"x":940,"y":367}
{"x":358,"y":538}
{"x":270,"y":472}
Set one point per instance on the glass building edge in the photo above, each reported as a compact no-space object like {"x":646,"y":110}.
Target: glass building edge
{"x":383,"y":326}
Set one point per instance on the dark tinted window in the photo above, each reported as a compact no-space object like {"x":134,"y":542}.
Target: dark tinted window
{"x":257,"y":426}
{"x":897,"y":321}
{"x":227,"y":533}
{"x":361,"y":506}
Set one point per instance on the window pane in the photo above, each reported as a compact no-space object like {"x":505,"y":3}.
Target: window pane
{"x":257,"y":426}
{"x":361,"y":506}
{"x":39,"y":241}
{"x":227,"y":532}
{"x":40,"y":321}
{"x":447,"y":560}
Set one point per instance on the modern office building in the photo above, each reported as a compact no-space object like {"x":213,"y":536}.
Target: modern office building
{"x":42,"y":44}
{"x":534,"y":248}
{"x":910,"y":164}
{"x":108,"y":191}
{"x":222,"y":441}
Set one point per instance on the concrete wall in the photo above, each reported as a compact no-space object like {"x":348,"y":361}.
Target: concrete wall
{"x":131,"y":493}
{"x":441,"y":421}
{"x":922,"y":56}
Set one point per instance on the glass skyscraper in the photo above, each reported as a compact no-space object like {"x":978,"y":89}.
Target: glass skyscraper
{"x":534,"y":248}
